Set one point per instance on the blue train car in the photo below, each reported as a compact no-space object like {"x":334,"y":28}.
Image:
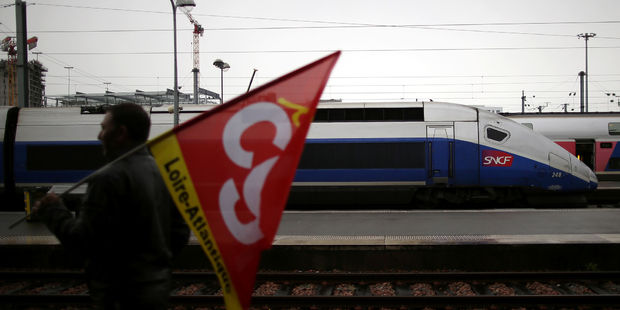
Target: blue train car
{"x":433,"y":144}
{"x":413,"y":148}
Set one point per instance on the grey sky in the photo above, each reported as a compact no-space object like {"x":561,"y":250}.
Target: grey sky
{"x":470,"y":52}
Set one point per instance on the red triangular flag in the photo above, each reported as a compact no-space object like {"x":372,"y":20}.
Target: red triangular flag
{"x":230,"y":169}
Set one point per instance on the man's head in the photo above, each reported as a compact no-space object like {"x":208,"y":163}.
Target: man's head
{"x":124,"y":125}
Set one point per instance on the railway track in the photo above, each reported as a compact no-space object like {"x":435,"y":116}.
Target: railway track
{"x":456,"y":198}
{"x":328,"y":290}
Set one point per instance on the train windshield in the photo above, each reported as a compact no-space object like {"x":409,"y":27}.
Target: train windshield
{"x":496,"y":134}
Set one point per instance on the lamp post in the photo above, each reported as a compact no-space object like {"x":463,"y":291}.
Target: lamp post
{"x":586,"y":37}
{"x":186,"y":5}
{"x":68,"y":81}
{"x":223,"y":67}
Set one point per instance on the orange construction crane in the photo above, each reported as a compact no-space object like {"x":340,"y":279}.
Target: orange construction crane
{"x":10,"y":46}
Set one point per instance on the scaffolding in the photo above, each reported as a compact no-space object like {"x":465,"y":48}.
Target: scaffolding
{"x":8,"y":45}
{"x":8,"y":83}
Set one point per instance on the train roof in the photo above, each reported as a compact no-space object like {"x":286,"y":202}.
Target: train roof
{"x":327,"y":111}
{"x":570,"y":126}
{"x":562,"y":114}
{"x":369,"y":105}
{"x":322,"y":105}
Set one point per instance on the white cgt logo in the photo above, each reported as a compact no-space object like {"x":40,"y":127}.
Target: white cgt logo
{"x":250,"y":233}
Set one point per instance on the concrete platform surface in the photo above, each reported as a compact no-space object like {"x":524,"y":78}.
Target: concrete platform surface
{"x":392,"y":227}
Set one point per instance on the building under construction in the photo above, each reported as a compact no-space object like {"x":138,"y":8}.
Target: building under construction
{"x":8,"y":84}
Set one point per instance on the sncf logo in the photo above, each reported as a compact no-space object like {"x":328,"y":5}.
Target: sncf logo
{"x":492,"y":158}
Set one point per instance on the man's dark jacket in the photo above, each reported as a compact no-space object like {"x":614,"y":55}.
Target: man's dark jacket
{"x":128,"y":227}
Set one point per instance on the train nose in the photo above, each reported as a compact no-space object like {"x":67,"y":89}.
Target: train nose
{"x":593,"y":180}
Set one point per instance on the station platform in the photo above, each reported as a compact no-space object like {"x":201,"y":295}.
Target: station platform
{"x":420,"y":227}
{"x":608,"y":185}
{"x":398,"y":227}
{"x":472,"y":240}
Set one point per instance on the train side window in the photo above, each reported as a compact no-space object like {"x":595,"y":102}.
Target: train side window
{"x":321,"y":115}
{"x":361,"y":155}
{"x":413,"y":114}
{"x":48,"y":157}
{"x":496,"y":134}
{"x":393,"y":114}
{"x":336,"y":115}
{"x":374,"y":114}
{"x":354,"y":115}
{"x":614,"y":129}
{"x":369,"y":115}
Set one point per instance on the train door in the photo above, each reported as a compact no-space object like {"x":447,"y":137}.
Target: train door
{"x":466,"y":154}
{"x":440,"y":151}
{"x":584,"y":150}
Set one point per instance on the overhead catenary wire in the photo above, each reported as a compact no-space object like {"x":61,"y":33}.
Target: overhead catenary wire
{"x":547,"y":48}
{"x":83,"y":73}
{"x":381,"y":76}
{"x":208,"y":29}
{"x":333,"y":85}
{"x":338,"y":24}
{"x":335,"y":22}
{"x":277,"y":24}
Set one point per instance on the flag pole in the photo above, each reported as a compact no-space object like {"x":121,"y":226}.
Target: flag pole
{"x":90,"y":176}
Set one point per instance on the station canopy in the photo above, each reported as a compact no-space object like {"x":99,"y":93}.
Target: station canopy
{"x":154,"y":98}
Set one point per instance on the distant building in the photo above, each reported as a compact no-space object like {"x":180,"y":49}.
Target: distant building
{"x":8,"y":85}
{"x":152,"y":98}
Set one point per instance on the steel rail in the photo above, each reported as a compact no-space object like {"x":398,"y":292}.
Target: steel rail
{"x":598,"y":296}
{"x":203,"y":300}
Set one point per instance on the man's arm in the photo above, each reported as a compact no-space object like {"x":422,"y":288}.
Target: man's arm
{"x":76,"y":233}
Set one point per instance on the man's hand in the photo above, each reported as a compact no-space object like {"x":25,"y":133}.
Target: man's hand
{"x":46,"y":201}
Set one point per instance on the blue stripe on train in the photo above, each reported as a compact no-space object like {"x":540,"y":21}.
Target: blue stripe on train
{"x":24,"y":176}
{"x":365,"y":140}
{"x":467,"y":167}
{"x":360,"y":175}
{"x":529,"y":173}
{"x":372,"y":175}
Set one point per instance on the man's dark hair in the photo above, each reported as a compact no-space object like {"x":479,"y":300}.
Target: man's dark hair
{"x":134,"y":118}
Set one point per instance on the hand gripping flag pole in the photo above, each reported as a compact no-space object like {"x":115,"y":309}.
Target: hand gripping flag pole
{"x":87,"y":178}
{"x":229,"y":171}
